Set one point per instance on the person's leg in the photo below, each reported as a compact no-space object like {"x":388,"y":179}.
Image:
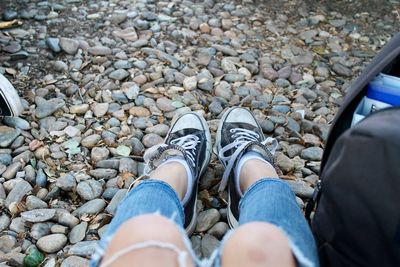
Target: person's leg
{"x":148,"y":227}
{"x":273,"y":230}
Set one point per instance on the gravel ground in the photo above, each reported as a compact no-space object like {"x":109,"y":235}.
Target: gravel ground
{"x":102,"y":80}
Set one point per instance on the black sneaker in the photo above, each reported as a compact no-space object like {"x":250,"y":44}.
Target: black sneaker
{"x":188,"y":138}
{"x":10,"y":103}
{"x":239,"y":132}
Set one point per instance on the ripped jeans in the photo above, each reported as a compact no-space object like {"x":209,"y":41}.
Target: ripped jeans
{"x":268,"y":200}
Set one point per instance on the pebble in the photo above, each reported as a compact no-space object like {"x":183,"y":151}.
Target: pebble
{"x":53,"y":44}
{"x":51,"y":243}
{"x":102,"y":173}
{"x":91,"y":140}
{"x":99,"y":50}
{"x":119,"y":74}
{"x":152,"y":139}
{"x":8,"y":135}
{"x":91,"y":207}
{"x":89,"y":189}
{"x":312,"y":153}
{"x":9,"y":14}
{"x":208,"y":245}
{"x":45,"y":107}
{"x":38,"y":215}
{"x":206,"y":219}
{"x":83,"y":248}
{"x":18,"y":192}
{"x":68,"y":45}
{"x":74,"y":261}
{"x":78,"y":233}
{"x":66,"y":182}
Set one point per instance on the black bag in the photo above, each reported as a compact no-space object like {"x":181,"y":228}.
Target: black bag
{"x":357,"y":219}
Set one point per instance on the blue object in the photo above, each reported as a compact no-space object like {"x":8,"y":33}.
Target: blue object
{"x":267,"y":200}
{"x":386,"y":89}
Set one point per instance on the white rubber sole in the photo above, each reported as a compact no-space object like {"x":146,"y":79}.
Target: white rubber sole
{"x":10,"y":96}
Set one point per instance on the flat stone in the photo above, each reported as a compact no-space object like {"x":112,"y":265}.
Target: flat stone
{"x":8,"y":135}
{"x":33,"y":203}
{"x":79,"y":109}
{"x":52,"y":243}
{"x":83,"y":248}
{"x":91,"y":140}
{"x":53,"y":44}
{"x":78,"y":233}
{"x":112,"y":207}
{"x":103,"y":173}
{"x":7,"y":243}
{"x":119,"y":74}
{"x":342,"y":70}
{"x":66,"y":182}
{"x":12,"y":170}
{"x":100,"y":109}
{"x":208,"y":244}
{"x":91,"y":207}
{"x":45,"y":107}
{"x":206,"y":219}
{"x":99,"y":51}
{"x":75,"y":261}
{"x":312,"y":153}
{"x":89,"y":189}
{"x":225,"y":50}
{"x":128,"y":34}
{"x":152,"y":139}
{"x":17,"y":122}
{"x":39,"y":215}
{"x":18,"y":192}
{"x":70,"y":46}
{"x":39,"y":230}
{"x":66,"y":218}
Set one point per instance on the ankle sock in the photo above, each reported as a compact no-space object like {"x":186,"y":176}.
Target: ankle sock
{"x":188,"y":174}
{"x":247,"y":156}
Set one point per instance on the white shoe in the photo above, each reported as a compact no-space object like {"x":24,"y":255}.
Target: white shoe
{"x":10,"y":103}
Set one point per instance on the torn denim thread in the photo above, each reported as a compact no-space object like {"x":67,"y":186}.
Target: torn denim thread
{"x":268,"y":200}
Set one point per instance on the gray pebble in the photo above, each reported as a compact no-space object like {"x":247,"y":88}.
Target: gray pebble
{"x":52,"y":243}
{"x":78,"y":233}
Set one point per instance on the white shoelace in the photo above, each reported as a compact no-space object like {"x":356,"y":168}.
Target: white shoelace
{"x":187,"y":143}
{"x":242,"y":138}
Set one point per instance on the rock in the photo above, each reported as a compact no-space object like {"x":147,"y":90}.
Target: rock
{"x":45,"y":107}
{"x":190,"y":83}
{"x":99,"y":51}
{"x":269,"y":73}
{"x":99,"y":153}
{"x":33,"y":203}
{"x":39,"y":230}
{"x":208,"y":245}
{"x":128,"y":34}
{"x":9,"y":14}
{"x":112,"y":207}
{"x":52,"y":243}
{"x":8,"y":135}
{"x":60,"y":66}
{"x":152,"y":139}
{"x":89,"y":189}
{"x":342,"y":70}
{"x":225,"y":50}
{"x":78,"y":233}
{"x":7,"y":243}
{"x":70,"y":46}
{"x":39,"y":215}
{"x":119,"y":74}
{"x":165,"y":104}
{"x":83,"y":248}
{"x":4,"y":222}
{"x":17,"y":123}
{"x":219,"y":229}
{"x":12,"y":170}
{"x":79,"y":109}
{"x":206,"y":219}
{"x":100,"y":109}
{"x":75,"y":261}
{"x":128,"y":165}
{"x":103,"y":173}
{"x":18,"y":192}
{"x":53,"y":44}
{"x":284,"y":163}
{"x":312,"y":153}
{"x":91,"y":207}
{"x":91,"y":140}
{"x":66,"y":182}
{"x":301,"y":188}
{"x":67,"y":219}
{"x":223,"y":89}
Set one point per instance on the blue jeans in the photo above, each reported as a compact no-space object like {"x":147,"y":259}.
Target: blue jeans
{"x":268,"y":200}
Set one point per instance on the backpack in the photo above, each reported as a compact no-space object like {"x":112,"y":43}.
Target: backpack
{"x":357,"y":218}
